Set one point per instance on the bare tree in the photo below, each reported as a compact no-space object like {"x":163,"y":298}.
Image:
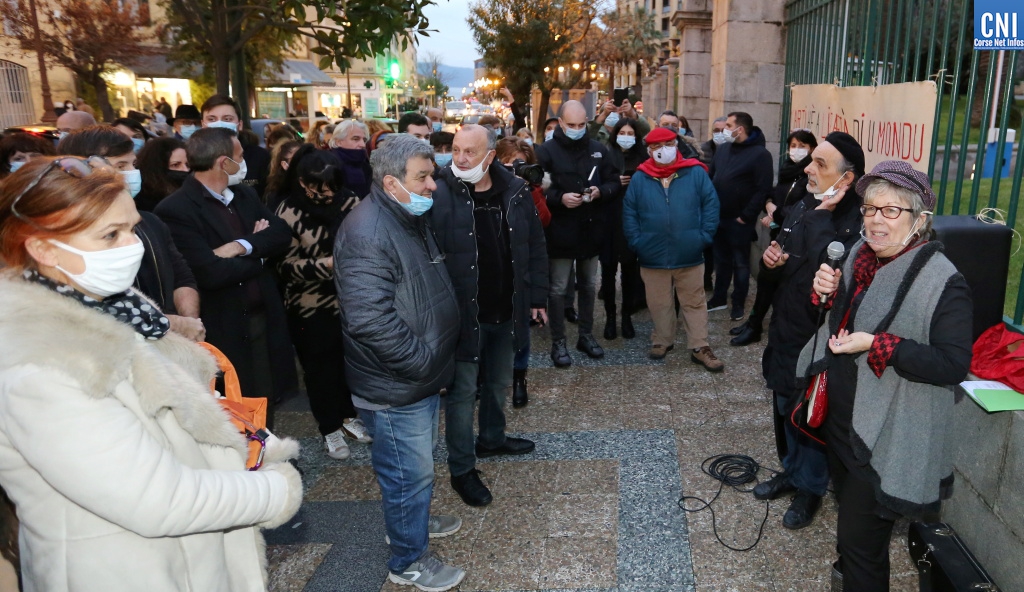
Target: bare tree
{"x":88,"y":37}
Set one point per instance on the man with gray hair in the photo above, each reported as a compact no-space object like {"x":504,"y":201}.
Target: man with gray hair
{"x":494,"y":250}
{"x":400,"y":323}
{"x":348,"y":143}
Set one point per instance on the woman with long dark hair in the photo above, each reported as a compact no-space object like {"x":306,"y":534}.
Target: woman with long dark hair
{"x":626,"y":151}
{"x":316,"y":204}
{"x":164,"y":168}
{"x":791,"y":188}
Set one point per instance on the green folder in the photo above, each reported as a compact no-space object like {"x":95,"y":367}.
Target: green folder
{"x":994,"y":396}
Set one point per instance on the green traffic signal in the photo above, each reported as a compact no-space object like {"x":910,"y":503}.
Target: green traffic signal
{"x":395,"y":70}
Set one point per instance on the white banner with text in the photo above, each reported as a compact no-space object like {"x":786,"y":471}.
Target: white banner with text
{"x":891,"y":121}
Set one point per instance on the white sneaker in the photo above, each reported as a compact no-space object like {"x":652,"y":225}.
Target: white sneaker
{"x":428,"y":574}
{"x":336,"y":446}
{"x":355,"y":429}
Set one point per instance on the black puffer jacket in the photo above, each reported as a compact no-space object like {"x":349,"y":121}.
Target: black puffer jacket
{"x":743,"y":176}
{"x":452,"y":219}
{"x":399,"y":316}
{"x":805,"y":235}
{"x":577,"y":233}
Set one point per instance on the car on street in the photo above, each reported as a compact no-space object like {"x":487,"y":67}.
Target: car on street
{"x":467,"y":120}
{"x":453,"y":110}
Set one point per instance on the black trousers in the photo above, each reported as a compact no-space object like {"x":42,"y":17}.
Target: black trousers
{"x":864,"y":530}
{"x":766,"y":289}
{"x":318,"y":343}
{"x":616,"y":254}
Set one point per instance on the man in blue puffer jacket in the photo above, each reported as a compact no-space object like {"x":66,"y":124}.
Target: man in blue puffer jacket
{"x":670,"y":215}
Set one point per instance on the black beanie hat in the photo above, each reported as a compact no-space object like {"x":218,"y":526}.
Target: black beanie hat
{"x":850,"y":150}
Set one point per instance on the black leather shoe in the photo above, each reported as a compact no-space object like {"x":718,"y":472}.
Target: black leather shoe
{"x":746,"y":337}
{"x":628,"y":332}
{"x":588,"y":345}
{"x":570,"y":314}
{"x":471,"y":489}
{"x":738,"y":329}
{"x":776,"y":486}
{"x":519,"y":395}
{"x":512,"y":446}
{"x":560,"y":354}
{"x":801,"y":512}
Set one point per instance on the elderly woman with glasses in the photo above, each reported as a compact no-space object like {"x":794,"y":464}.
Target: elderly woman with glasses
{"x":111,"y":444}
{"x":897,"y":339}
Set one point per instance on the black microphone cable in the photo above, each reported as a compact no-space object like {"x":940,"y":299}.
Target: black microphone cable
{"x":734,"y":470}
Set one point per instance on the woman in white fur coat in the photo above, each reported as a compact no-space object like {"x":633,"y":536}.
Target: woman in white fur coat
{"x":125,"y":472}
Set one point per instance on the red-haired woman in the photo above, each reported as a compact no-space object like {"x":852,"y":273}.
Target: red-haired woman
{"x":111,"y":446}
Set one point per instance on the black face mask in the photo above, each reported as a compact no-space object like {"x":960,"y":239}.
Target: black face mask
{"x":177,"y":177}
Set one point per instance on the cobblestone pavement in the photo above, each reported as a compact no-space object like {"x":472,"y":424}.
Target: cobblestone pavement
{"x":595,"y":507}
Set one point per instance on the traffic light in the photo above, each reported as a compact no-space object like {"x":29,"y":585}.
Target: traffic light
{"x":394,"y":70}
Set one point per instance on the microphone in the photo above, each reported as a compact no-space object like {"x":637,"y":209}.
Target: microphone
{"x":835,"y":252}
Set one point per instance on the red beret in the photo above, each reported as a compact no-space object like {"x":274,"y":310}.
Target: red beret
{"x":660,"y":134}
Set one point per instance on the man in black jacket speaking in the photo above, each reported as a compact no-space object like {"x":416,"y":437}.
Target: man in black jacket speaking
{"x":493,"y":242}
{"x":742,"y":174}
{"x":400,"y":323}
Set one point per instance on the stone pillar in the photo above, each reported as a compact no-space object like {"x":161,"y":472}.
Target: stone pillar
{"x":693,"y":21}
{"x":672,"y":83}
{"x":748,"y":63}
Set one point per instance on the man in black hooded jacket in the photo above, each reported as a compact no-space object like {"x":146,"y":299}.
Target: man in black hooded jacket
{"x":830,"y":211}
{"x":743,"y":175}
{"x":583,"y":182}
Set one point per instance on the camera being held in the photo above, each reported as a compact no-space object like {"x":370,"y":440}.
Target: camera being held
{"x":531,"y":173}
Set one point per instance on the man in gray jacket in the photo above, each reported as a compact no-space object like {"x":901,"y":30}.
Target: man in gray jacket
{"x":400,"y":322}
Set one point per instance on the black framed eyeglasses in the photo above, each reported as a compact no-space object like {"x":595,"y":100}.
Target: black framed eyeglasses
{"x":890,"y":212}
{"x":72,"y":165}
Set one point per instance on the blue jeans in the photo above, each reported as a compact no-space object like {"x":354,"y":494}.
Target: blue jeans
{"x":402,"y":452}
{"x":732,"y":261}
{"x":497,"y":351}
{"x":522,"y":361}
{"x":806,"y":461}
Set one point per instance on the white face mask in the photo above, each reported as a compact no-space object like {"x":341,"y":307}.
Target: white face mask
{"x":797,"y":154}
{"x":237,"y":178}
{"x":626,"y":142}
{"x":474,"y":174}
{"x":529,"y":141}
{"x":134,"y":181}
{"x":665,"y":155}
{"x":828,"y":192}
{"x":230,"y":125}
{"x":107,"y":272}
{"x":730,"y":137}
{"x":719,"y":138}
{"x":913,"y":231}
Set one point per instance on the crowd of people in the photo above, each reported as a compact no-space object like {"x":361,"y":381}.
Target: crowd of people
{"x":405,"y":270}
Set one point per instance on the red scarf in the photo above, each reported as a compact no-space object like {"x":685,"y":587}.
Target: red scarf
{"x":663,"y":172}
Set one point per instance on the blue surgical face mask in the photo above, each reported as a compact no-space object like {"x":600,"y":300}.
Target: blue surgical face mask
{"x":436,"y":126}
{"x":418,"y":205}
{"x":548,"y":135}
{"x":682,"y":131}
{"x":138,"y":144}
{"x":187,"y":131}
{"x":612,"y":119}
{"x":443,"y":159}
{"x":626,"y":142}
{"x":575,"y":134}
{"x":231,"y":125}
{"x":17,"y":165}
{"x":133,"y":179}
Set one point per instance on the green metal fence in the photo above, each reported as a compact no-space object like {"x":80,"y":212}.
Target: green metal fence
{"x":864,"y":42}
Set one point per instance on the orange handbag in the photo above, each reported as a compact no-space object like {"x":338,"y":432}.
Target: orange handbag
{"x":248,"y":414}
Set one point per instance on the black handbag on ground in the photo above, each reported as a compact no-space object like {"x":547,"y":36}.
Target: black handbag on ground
{"x":944,"y":562}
